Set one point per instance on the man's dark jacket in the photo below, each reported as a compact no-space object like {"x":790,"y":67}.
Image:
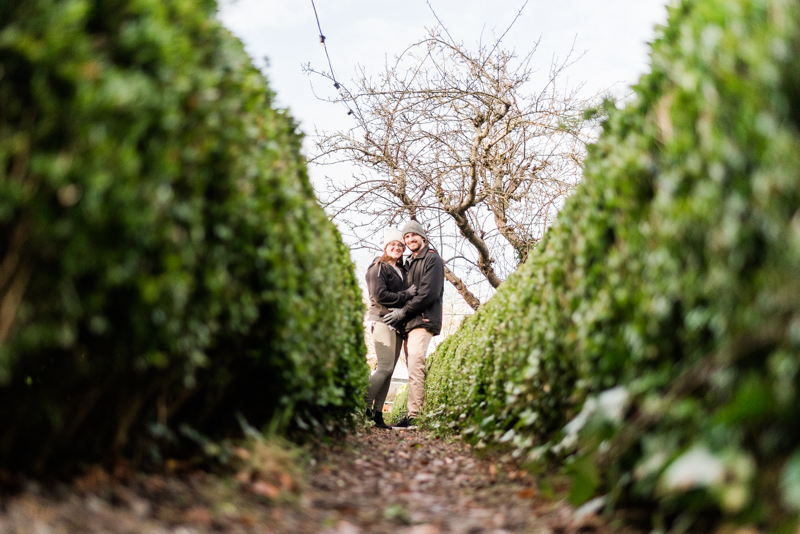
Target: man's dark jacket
{"x":424,"y":310}
{"x":387,"y":289}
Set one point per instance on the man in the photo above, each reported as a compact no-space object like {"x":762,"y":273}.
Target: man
{"x":423,"y":313}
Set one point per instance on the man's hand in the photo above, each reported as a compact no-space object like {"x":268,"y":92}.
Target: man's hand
{"x":412,"y":291}
{"x":394,"y":316}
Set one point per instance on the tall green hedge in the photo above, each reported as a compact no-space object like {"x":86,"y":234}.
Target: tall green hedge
{"x":668,"y":292}
{"x":164,"y":264}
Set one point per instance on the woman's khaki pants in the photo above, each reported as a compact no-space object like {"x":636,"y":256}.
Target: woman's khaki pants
{"x":387,"y":348}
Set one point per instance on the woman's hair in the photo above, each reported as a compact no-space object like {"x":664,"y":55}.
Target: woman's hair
{"x":387,"y":259}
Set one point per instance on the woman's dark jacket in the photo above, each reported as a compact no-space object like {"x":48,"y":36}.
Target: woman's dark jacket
{"x":424,"y":310}
{"x":387,"y":288}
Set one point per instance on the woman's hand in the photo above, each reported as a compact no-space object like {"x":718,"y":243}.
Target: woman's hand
{"x":412,"y":291}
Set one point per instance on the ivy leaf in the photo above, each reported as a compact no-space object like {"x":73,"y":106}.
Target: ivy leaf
{"x":585,"y":480}
{"x":790,"y":483}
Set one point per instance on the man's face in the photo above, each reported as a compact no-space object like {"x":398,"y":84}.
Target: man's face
{"x":414,"y":242}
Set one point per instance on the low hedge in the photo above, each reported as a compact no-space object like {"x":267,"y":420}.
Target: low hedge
{"x":165,"y":265}
{"x":399,"y":406}
{"x":667,"y":291}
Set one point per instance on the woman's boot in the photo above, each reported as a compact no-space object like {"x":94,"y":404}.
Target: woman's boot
{"x":378,"y":418}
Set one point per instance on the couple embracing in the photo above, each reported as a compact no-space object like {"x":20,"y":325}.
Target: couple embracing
{"x":405,"y":306}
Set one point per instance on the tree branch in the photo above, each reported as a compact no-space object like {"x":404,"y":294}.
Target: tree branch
{"x":462,"y":289}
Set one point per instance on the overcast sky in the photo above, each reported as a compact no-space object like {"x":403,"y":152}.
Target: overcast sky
{"x":611,"y":35}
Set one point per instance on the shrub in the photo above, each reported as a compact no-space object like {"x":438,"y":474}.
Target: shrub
{"x":165,"y":263}
{"x":399,"y":406}
{"x":667,"y":290}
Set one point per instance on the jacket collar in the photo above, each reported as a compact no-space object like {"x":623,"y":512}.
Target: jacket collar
{"x":421,"y":254}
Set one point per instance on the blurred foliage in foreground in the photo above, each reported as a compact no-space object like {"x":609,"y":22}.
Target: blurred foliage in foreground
{"x":667,"y":294}
{"x":164,"y":263}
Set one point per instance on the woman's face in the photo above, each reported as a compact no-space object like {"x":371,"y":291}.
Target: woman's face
{"x":395,"y":250}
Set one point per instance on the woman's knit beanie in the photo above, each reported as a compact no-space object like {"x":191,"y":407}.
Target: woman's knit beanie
{"x":392,"y":234}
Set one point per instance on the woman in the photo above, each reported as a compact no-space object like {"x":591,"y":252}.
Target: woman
{"x":386,"y":281}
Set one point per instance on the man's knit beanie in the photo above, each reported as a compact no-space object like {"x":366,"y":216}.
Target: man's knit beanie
{"x":413,"y":227}
{"x":392,"y":234}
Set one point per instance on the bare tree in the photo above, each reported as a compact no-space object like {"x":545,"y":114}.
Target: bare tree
{"x":455,"y":139}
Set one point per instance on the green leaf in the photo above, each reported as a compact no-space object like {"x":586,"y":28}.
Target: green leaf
{"x":790,"y":483}
{"x":585,"y":480}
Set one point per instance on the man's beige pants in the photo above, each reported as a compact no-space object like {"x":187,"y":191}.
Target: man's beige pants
{"x":418,"y":340}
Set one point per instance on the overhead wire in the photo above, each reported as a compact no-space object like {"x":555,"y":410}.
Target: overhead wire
{"x":322,"y":40}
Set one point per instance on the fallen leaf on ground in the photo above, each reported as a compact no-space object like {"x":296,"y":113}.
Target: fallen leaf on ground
{"x":286,"y":481}
{"x":247,"y":520}
{"x":242,"y":453}
{"x":92,"y":480}
{"x":265,"y":488}
{"x":199,"y":515}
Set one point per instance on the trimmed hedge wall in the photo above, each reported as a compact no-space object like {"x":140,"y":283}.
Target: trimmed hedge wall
{"x":399,"y":406}
{"x":165,"y":264}
{"x":668,"y":291}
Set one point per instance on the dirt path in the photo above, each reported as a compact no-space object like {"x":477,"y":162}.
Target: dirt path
{"x":375,"y":482}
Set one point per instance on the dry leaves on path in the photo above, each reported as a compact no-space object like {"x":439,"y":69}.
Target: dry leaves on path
{"x":373,"y":482}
